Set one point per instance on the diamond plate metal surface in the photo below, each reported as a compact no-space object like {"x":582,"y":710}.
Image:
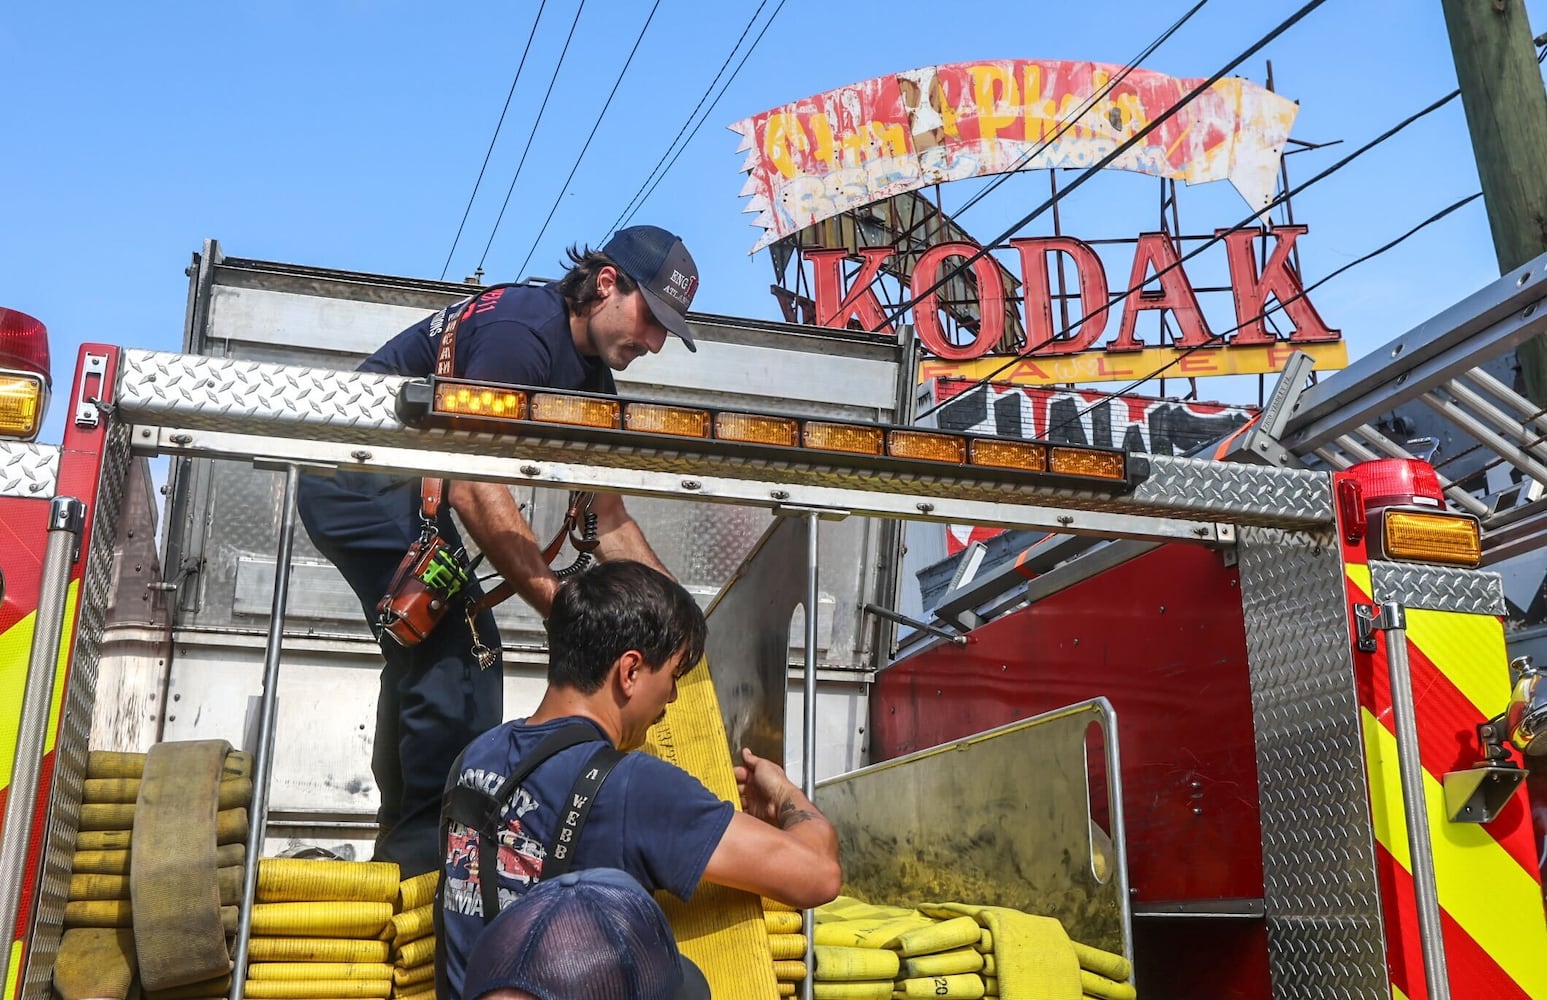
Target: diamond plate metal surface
{"x":80,"y":698}
{"x":287,"y":402}
{"x":28,"y":470}
{"x":1321,"y":895}
{"x":1438,"y":588}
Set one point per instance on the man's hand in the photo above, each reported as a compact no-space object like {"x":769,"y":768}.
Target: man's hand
{"x":768,"y":793}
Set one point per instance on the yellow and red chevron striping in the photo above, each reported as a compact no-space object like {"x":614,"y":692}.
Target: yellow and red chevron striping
{"x":1487,"y":876}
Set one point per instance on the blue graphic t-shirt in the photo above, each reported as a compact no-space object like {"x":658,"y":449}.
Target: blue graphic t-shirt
{"x":651,"y":819}
{"x":518,"y":335}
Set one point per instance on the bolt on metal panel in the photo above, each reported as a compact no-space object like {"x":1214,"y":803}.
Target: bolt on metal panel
{"x":27,"y":469}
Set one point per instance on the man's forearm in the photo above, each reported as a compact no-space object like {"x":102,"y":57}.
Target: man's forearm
{"x":799,"y":818}
{"x":618,"y":535}
{"x":494,"y":520}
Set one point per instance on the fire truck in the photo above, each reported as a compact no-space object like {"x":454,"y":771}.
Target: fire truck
{"x":1247,"y":718}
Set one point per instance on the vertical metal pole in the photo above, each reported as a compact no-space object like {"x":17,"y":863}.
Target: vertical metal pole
{"x":263,"y":763}
{"x":808,"y":703}
{"x":1393,"y":621}
{"x":66,"y":518}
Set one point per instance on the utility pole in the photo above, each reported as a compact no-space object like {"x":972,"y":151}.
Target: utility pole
{"x":1506,"y":114}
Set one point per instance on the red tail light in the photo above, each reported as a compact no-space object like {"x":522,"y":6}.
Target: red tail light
{"x":1398,"y":482}
{"x":24,"y":344}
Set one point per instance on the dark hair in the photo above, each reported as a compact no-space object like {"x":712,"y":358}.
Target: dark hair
{"x":618,"y":606}
{"x":578,"y":286}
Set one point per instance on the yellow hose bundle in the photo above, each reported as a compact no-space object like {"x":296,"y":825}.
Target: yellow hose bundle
{"x":956,"y":932}
{"x":787,"y":945}
{"x":411,"y":925}
{"x":838,"y":964}
{"x":417,"y":891}
{"x":788,"y":989}
{"x":943,"y":963}
{"x":100,"y":863}
{"x":329,"y":919}
{"x":326,"y":989}
{"x":298,"y":880}
{"x":789,"y":970}
{"x":233,"y":792}
{"x":412,"y":976}
{"x":95,"y":963}
{"x":849,"y":908}
{"x":1102,"y":963}
{"x":297,"y":971}
{"x":1093,"y":985}
{"x":104,"y":887}
{"x":782,"y":921}
{"x":852,"y":991}
{"x":871,"y":932}
{"x":1033,"y":959}
{"x":427,"y":994}
{"x":315,"y":949}
{"x":98,"y":913}
{"x":722,"y":930}
{"x":102,"y":840}
{"x":415,"y":952}
{"x":114,"y":764}
{"x":963,"y":987}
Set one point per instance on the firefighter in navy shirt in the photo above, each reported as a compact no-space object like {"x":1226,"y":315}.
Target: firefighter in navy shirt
{"x":619,"y":638}
{"x":611,"y":307}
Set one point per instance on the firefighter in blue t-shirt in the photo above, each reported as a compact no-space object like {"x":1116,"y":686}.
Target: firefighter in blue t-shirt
{"x":611,"y":307}
{"x":619,"y":638}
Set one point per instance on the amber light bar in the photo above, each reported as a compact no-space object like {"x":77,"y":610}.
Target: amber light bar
{"x":461,"y":404}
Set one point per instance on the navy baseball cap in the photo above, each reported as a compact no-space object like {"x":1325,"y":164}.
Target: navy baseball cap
{"x":594,"y":934}
{"x":665,"y":271}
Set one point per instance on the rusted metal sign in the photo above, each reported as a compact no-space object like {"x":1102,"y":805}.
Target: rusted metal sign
{"x":832,"y":152}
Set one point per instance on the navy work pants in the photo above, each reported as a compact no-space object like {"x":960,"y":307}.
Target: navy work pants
{"x":434,"y":697}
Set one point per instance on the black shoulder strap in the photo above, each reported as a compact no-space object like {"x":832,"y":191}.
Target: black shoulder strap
{"x":480,"y":812}
{"x":566,"y":839}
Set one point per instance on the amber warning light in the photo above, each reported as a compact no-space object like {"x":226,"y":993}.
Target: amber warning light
{"x":520,"y":410}
{"x":24,"y":374}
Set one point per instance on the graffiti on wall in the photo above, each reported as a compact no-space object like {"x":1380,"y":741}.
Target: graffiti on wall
{"x":1072,"y":416}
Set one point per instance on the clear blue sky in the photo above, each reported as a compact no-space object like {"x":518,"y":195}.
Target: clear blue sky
{"x":348,"y":135}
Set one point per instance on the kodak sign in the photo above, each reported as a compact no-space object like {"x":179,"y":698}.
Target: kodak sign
{"x":1084,"y":353}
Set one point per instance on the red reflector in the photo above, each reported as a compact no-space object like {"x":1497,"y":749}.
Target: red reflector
{"x":1398,"y":482}
{"x":24,"y":344}
{"x":1351,"y":510}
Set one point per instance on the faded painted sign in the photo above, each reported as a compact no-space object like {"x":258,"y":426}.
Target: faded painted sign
{"x":1070,"y":416}
{"x":832,"y":152}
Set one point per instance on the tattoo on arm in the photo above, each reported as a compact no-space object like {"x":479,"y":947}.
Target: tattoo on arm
{"x":789,"y":815}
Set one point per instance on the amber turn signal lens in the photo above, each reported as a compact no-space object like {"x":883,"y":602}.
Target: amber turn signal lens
{"x":479,"y":401}
{"x":1085,"y":462}
{"x":1009,"y":455}
{"x":755,"y":429}
{"x":653,"y":418}
{"x":850,"y":438}
{"x":21,"y":405}
{"x":550,"y":408}
{"x":930,"y":447}
{"x":1419,"y":536}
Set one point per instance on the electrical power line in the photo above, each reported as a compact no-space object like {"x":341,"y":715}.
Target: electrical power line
{"x":490,"y":151}
{"x":532,"y":134}
{"x":707,"y":112}
{"x":1221,"y":234}
{"x":689,"y":119}
{"x":1104,"y":162}
{"x":598,"y":124}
